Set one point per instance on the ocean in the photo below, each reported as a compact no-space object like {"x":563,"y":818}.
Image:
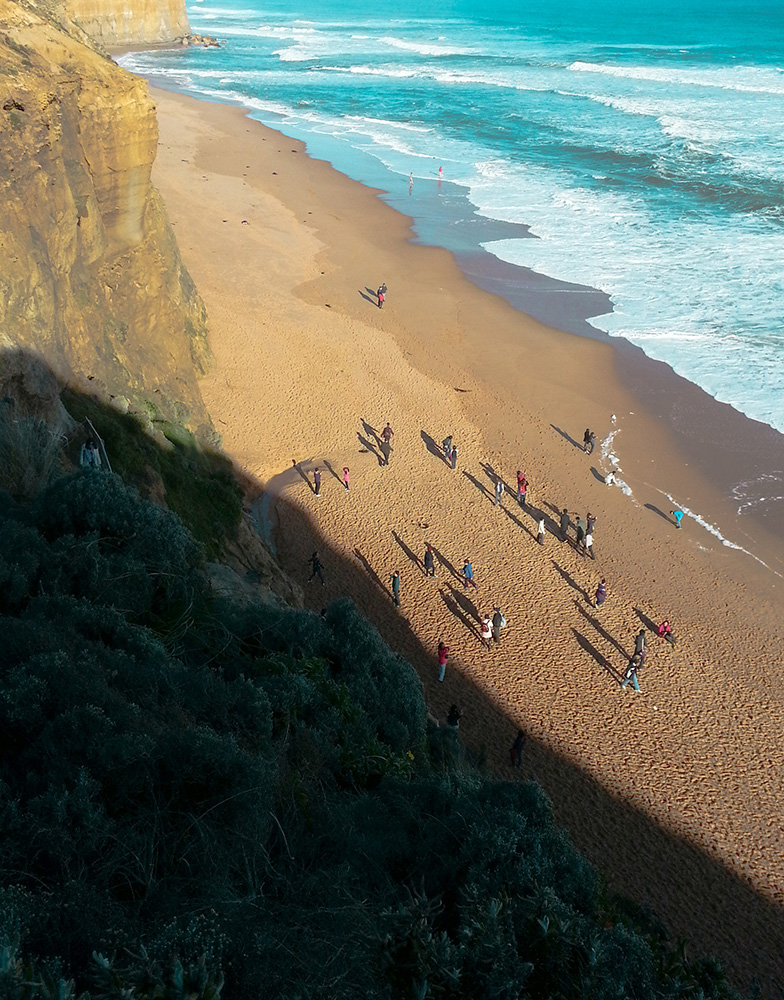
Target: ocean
{"x":635,"y":149}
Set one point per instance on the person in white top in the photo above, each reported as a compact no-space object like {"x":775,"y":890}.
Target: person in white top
{"x":540,"y":531}
{"x":487,"y":631}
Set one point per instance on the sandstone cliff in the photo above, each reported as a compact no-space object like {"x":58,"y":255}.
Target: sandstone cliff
{"x":90,"y":273}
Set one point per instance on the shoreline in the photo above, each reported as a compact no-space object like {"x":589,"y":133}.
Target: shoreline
{"x":286,"y":253}
{"x":727,"y":447}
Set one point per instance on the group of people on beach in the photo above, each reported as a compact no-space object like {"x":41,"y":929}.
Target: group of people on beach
{"x":490,"y":626}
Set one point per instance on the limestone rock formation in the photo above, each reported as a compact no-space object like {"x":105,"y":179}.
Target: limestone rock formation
{"x":133,"y":22}
{"x":90,"y":274}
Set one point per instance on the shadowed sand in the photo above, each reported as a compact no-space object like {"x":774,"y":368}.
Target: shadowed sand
{"x":674,"y":792}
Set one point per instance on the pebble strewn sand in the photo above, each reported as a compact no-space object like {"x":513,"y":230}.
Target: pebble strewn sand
{"x":674,"y":792}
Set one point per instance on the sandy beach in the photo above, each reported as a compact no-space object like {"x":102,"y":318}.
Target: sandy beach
{"x":674,"y":792}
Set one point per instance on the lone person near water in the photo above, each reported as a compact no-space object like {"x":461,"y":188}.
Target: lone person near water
{"x":591,"y":443}
{"x":429,"y":560}
{"x":516,"y":749}
{"x":315,"y":563}
{"x":586,"y":438}
{"x":395,"y":578}
{"x":443,"y":658}
{"x":317,"y":481}
{"x":565,"y":522}
{"x":678,"y":515}
{"x":468,"y":575}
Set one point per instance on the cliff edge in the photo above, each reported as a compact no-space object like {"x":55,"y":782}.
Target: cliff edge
{"x":90,"y":273}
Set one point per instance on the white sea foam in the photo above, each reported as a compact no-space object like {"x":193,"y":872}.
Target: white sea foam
{"x":748,"y":79}
{"x":425,"y":48}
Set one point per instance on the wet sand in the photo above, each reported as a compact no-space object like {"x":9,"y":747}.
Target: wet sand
{"x":287,"y":253}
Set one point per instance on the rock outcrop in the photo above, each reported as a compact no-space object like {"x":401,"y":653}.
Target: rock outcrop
{"x":90,"y":273}
{"x":115,"y":23}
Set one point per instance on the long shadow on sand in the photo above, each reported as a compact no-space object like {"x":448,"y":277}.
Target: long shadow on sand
{"x":592,"y":620}
{"x":667,"y":518}
{"x":434,"y":448}
{"x":597,"y":475}
{"x":410,"y":554}
{"x":480,"y":486}
{"x":462,"y":616}
{"x":589,"y":648}
{"x":567,"y":437}
{"x":568,"y":578}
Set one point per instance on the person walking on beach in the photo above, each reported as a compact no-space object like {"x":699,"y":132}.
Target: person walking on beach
{"x":498,"y":491}
{"x":586,"y":438}
{"x":565,"y":522}
{"x":317,"y":481}
{"x":453,"y":456}
{"x":381,"y":295}
{"x":446,"y":444}
{"x":443,"y":658}
{"x":395,"y":578}
{"x":678,"y":515}
{"x":430,"y":562}
{"x":498,"y":622}
{"x":486,"y":630}
{"x":609,"y":479}
{"x":641,"y":646}
{"x":468,"y":575}
{"x":580,"y":534}
{"x":387,"y":434}
{"x":522,"y":488}
{"x":590,"y":521}
{"x":345,"y":477}
{"x":440,"y":174}
{"x":540,"y":532}
{"x":516,"y":749}
{"x":589,"y":545}
{"x":316,"y":567}
{"x":630,"y":674}
{"x":454,"y":717}
{"x":591,"y":442}
{"x":601,"y":594}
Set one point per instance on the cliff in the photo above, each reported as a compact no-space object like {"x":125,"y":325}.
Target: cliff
{"x":90,"y":273}
{"x":137,"y":22}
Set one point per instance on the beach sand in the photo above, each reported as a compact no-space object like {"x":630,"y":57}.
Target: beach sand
{"x":674,"y":792}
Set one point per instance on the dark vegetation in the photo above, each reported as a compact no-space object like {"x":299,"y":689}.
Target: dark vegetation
{"x":199,"y":798}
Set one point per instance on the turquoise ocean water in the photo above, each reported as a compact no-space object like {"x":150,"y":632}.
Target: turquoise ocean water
{"x":641,"y":143}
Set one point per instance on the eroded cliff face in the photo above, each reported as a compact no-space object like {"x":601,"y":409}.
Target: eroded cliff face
{"x":90,"y":273}
{"x":135,"y":22}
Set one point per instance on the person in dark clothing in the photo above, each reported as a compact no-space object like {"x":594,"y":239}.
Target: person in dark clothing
{"x":315,"y":563}
{"x":395,"y":578}
{"x":430,"y":563}
{"x":590,"y":521}
{"x":580,"y":533}
{"x":591,"y":443}
{"x":446,"y":444}
{"x":630,"y":674}
{"x":586,"y":438}
{"x":516,"y":749}
{"x":565,"y":522}
{"x":317,"y":481}
{"x":498,"y":622}
{"x":641,"y":645}
{"x":453,"y":456}
{"x":601,"y":594}
{"x":454,"y":717}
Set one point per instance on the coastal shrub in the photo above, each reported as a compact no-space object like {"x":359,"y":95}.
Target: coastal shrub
{"x":30,"y":454}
